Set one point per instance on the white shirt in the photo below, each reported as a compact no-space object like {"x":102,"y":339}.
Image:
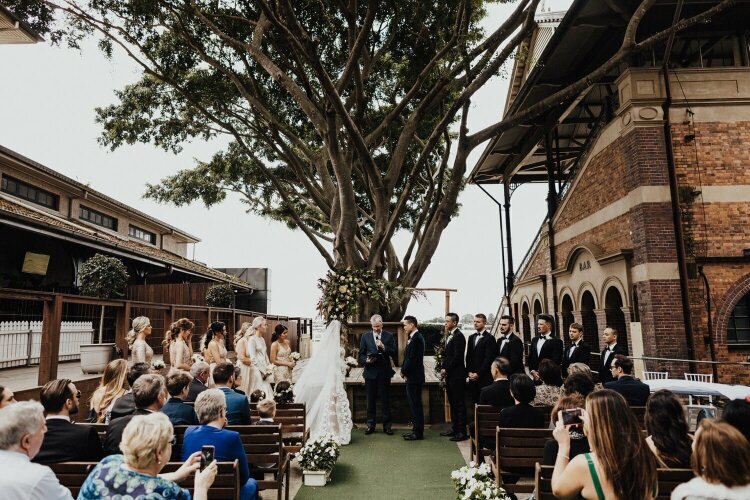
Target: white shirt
{"x":608,"y":352}
{"x":466,"y":346}
{"x":58,"y":417}
{"x":572,"y":347}
{"x":540,"y":342}
{"x":20,"y":479}
{"x":506,"y":339}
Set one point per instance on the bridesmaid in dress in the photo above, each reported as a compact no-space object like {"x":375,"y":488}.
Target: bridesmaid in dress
{"x":244,"y":362}
{"x":281,"y":348}
{"x":141,"y":351}
{"x":214,"y":350}
{"x":256,"y":349}
{"x":180,"y":350}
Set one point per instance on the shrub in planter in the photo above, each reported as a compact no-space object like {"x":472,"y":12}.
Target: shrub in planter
{"x":103,"y":277}
{"x":220,"y":296}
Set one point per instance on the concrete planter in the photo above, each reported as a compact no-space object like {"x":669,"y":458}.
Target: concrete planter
{"x":94,"y":357}
{"x":316,"y":477}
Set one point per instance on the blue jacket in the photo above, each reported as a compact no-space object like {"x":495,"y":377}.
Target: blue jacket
{"x":179,"y":413}
{"x":228,"y":446}
{"x":238,"y":407}
{"x":381,"y":367}
{"x":413,"y":366}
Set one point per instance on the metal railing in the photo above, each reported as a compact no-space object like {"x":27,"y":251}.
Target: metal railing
{"x":21,"y":341}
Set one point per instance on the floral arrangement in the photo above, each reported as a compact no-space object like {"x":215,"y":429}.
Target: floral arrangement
{"x":351,"y":362}
{"x":284,"y":393}
{"x":268,"y":371}
{"x":439,"y":349}
{"x":158,"y":365}
{"x":197,"y":358}
{"x":474,"y":482}
{"x":295,"y":356}
{"x":343,"y":289}
{"x":319,"y":454}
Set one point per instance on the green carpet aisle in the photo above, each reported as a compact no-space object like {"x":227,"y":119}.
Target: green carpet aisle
{"x":387,"y":467}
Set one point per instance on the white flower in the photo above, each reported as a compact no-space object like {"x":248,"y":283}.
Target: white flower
{"x":158,"y":365}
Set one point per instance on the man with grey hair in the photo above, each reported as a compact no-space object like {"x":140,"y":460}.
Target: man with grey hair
{"x":149,"y":395}
{"x":22,"y":428}
{"x":200,"y":372}
{"x":375,"y":351}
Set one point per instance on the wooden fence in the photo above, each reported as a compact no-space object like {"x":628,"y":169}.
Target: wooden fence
{"x":52,"y":308}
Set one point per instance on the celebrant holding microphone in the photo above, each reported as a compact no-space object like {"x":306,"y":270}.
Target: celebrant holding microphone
{"x":375,"y":351}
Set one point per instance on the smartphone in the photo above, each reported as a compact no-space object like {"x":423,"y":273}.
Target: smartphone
{"x":207,"y":455}
{"x":572,"y":417}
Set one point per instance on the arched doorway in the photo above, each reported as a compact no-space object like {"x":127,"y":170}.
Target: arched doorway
{"x":537,"y":311}
{"x":525,"y":322}
{"x":567,"y":316}
{"x":615,"y":316}
{"x":590,"y":328}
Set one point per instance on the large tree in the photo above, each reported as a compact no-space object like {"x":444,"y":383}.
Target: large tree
{"x":346,"y":119}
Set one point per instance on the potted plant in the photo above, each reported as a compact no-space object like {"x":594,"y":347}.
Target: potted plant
{"x":220,"y":296}
{"x":476,"y":482}
{"x":103,"y":277}
{"x":317,"y":459}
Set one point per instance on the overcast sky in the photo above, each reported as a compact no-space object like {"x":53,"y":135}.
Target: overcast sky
{"x":47,"y":114}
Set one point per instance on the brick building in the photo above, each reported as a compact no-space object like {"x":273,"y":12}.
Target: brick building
{"x":649,"y":185}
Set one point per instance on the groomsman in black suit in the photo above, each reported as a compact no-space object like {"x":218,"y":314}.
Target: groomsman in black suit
{"x":375,"y":351}
{"x":454,"y":373}
{"x":480,"y":353}
{"x":545,"y":345}
{"x":611,"y":349}
{"x":412,"y":371}
{"x":578,"y":351}
{"x":509,"y":345}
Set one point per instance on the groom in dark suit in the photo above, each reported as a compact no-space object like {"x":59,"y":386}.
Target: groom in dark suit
{"x":412,"y":371}
{"x":375,"y":351}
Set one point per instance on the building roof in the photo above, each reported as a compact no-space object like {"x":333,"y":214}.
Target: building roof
{"x":88,"y":192}
{"x":13,"y":30}
{"x":17,"y":213}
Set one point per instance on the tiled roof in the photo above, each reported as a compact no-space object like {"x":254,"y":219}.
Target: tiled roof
{"x":40,"y":218}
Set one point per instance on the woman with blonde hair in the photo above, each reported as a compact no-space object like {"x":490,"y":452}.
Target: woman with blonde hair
{"x":111,"y":387}
{"x":256,"y":351}
{"x":620,"y":466}
{"x":180,"y":350}
{"x":140,"y":351}
{"x":146,"y":446}
{"x":244,"y":362}
{"x":721,"y":463}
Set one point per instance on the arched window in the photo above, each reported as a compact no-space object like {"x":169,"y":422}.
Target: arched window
{"x":525,"y":322}
{"x":615,"y":316}
{"x":590,"y":328}
{"x":567,"y":316}
{"x":738,"y":330}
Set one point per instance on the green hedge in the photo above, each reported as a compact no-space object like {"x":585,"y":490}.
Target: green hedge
{"x":432,"y":334}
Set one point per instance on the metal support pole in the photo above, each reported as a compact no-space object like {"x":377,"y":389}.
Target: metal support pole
{"x":502,"y":245}
{"x":508,"y":244}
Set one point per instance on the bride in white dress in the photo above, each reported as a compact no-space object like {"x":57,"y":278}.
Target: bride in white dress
{"x":321,"y":388}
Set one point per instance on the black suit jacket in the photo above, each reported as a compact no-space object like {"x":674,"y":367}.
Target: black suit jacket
{"x":382,"y":367}
{"x":552,"y":349}
{"x":522,"y":416}
{"x":413,"y":366}
{"x":581,"y":354}
{"x":453,"y":357}
{"x":634,"y":391}
{"x":125,"y":405}
{"x":68,"y":442}
{"x":479,"y":356}
{"x":513,"y":352}
{"x":604,"y":374}
{"x":497,"y":394}
{"x":115,"y":429}
{"x":195,"y":388}
{"x":179,"y":413}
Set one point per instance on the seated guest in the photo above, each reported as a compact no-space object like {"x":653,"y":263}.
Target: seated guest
{"x":580,"y":368}
{"x":578,"y":383}
{"x":498,"y":392}
{"x":721,"y":455}
{"x":578,"y":441}
{"x":64,"y":440}
{"x":238,"y":408}
{"x":111,"y":388}
{"x":238,"y":381}
{"x":634,"y":391}
{"x":21,"y":435}
{"x":550,"y":389}
{"x":200,"y":372}
{"x":178,"y":412}
{"x":149,"y":395}
{"x":266,"y":411}
{"x":6,"y":397}
{"x":146,"y":448}
{"x":620,"y":466}
{"x":283,"y":392}
{"x":212,"y":414}
{"x":522,"y":415}
{"x":737,"y":413}
{"x":126,"y":404}
{"x":667,"y":428}
{"x":257,"y":395}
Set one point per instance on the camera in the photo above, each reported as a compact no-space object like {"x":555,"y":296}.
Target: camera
{"x":208,"y":454}
{"x":572,"y":417}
